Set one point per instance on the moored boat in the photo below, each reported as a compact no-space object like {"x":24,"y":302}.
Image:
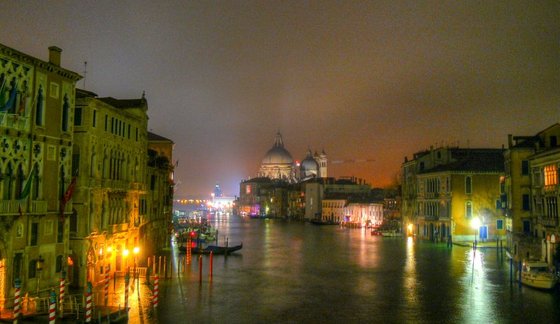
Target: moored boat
{"x":391,"y":233}
{"x":537,"y":274}
{"x":215,"y":249}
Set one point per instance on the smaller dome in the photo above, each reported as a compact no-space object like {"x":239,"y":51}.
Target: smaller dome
{"x":309,"y":167}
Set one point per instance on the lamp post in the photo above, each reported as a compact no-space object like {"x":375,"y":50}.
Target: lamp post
{"x":125,"y":255}
{"x":475,"y":224}
{"x":135,"y":251}
{"x":39,"y":267}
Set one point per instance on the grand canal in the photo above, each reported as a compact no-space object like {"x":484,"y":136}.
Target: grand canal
{"x":292,"y":272}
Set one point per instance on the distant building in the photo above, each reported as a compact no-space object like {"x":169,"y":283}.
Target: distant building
{"x":445,"y":191}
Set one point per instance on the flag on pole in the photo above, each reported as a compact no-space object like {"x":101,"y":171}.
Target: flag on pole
{"x":27,"y":186}
{"x":67,"y":195}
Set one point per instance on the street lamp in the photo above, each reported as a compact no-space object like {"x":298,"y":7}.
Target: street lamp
{"x":475,"y":224}
{"x":39,"y":267}
{"x":135,"y":251}
{"x":125,"y":255}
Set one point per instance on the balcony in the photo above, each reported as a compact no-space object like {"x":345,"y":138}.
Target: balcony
{"x":547,"y":221}
{"x":12,"y":207}
{"x":14,"y":121}
{"x":117,"y":228}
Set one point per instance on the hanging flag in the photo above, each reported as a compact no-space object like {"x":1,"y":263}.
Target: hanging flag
{"x":27,"y":186}
{"x":67,"y":196}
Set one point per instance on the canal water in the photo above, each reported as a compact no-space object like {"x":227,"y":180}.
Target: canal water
{"x":290,"y":272}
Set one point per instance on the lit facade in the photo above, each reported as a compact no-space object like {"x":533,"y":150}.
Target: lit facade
{"x":156,"y":221}
{"x":445,"y":189}
{"x":36,"y":109}
{"x":532,"y":194}
{"x":110,"y":154}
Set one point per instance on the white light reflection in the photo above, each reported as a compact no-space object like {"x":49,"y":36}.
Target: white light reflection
{"x":479,"y":306}
{"x":410,"y":275}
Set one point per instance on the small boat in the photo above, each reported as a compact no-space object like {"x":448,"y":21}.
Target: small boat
{"x":213,"y":248}
{"x":537,"y":274}
{"x":321,"y":222}
{"x":390,"y":233}
{"x":376,"y":232}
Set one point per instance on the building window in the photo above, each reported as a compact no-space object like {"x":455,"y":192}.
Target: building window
{"x":106,"y":122}
{"x":94,"y":119}
{"x":32,"y":270}
{"x":78,"y":116}
{"x":34,"y":234}
{"x":65,"y":114}
{"x":39,"y":107}
{"x":74,"y":221}
{"x":524,"y":167}
{"x":526,"y":204}
{"x":59,"y":260}
{"x":553,"y":141}
{"x":468,"y":185}
{"x":18,"y":263}
{"x":468,"y":209}
{"x":60,"y":232}
{"x":499,"y":224}
{"x":550,"y":175}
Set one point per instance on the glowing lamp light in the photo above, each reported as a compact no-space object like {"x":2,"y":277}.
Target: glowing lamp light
{"x":409,"y":227}
{"x":475,"y":223}
{"x":125,"y":253}
{"x":136,"y":250}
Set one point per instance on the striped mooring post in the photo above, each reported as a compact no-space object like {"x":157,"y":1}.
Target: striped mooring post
{"x":88,"y":303}
{"x":156,"y":291}
{"x":126,"y":281}
{"x":62,"y":293}
{"x":52,"y":308}
{"x":17,"y":300}
{"x":106,"y":288}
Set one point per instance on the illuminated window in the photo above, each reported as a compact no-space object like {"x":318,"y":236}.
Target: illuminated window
{"x":550,"y":175}
{"x":468,"y":209}
{"x":248,"y":189}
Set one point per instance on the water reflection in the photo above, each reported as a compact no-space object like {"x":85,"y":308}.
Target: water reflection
{"x":293,"y":272}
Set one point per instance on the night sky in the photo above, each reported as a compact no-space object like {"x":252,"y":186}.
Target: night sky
{"x":362,"y":80}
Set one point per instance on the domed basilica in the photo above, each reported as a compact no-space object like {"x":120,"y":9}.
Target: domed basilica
{"x":279,"y":164}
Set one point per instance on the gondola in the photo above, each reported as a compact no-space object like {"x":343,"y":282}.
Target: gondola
{"x":216,"y":250}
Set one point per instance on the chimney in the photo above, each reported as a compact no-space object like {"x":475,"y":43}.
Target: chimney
{"x":54,"y":55}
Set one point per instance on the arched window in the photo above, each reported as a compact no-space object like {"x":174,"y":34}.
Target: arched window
{"x":468,"y":185}
{"x":468,"y":209}
{"x":39,"y":107}
{"x":61,"y":185}
{"x":20,"y":178}
{"x":7,"y":182}
{"x":35,"y":183}
{"x":59,"y":259}
{"x":65,"y":113}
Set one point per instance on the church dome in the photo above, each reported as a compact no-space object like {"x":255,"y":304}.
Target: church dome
{"x":278,"y":154}
{"x":309,"y":167}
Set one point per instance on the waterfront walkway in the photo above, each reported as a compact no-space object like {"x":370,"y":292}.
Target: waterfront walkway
{"x":104,"y":309}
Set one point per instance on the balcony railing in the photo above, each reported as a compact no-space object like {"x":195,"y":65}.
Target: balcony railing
{"x":118,"y":228}
{"x":548,"y":221}
{"x":14,"y":121}
{"x":13,"y":207}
